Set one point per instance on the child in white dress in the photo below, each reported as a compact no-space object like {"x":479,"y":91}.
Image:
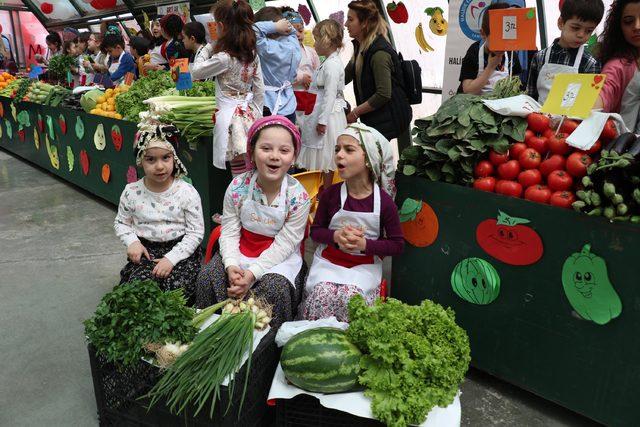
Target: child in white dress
{"x":322,"y":127}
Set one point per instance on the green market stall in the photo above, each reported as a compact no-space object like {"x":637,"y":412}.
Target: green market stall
{"x":96,"y":153}
{"x":524,"y":325}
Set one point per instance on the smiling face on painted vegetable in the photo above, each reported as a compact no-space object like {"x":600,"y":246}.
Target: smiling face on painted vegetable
{"x":158,"y":168}
{"x":274,"y":154}
{"x":350,"y":158}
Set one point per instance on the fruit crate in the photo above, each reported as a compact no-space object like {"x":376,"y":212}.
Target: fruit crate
{"x":306,"y":411}
{"x":120,"y":402}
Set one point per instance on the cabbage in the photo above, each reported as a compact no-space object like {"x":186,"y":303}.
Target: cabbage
{"x":89,"y":100}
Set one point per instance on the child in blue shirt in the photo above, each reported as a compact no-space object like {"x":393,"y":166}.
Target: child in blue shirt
{"x":279,"y":52}
{"x":120,"y":62}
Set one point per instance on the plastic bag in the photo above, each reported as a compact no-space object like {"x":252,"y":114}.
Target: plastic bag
{"x":289,"y":329}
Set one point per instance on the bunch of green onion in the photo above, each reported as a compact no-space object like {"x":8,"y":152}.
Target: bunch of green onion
{"x":197,"y":375}
{"x":192,"y":115}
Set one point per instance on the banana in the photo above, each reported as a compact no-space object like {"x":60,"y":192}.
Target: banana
{"x":422,"y":42}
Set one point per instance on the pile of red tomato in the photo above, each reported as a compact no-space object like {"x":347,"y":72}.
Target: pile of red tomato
{"x":543,"y":168}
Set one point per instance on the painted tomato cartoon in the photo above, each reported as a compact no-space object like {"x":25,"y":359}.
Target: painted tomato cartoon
{"x":507,"y":239}
{"x":419,"y":223}
{"x":586,"y":283}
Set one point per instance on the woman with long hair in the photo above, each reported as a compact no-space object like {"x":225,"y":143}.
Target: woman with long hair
{"x":619,"y":52}
{"x":239,"y":86}
{"x":375,"y":72}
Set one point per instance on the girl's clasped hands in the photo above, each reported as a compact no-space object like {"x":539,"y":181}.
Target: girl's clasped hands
{"x":240,"y":281}
{"x":350,"y":239}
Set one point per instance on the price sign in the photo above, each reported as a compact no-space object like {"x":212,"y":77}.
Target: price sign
{"x":512,"y":29}
{"x":573,"y":95}
{"x":128,"y":78}
{"x":35,"y":72}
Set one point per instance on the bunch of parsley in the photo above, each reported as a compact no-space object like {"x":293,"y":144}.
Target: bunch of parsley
{"x":131,"y":103}
{"x":134,"y":314}
{"x":414,"y":357}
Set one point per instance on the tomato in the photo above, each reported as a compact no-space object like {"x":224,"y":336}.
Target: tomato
{"x":559,"y":181}
{"x":609,"y":132}
{"x":509,"y":240}
{"x":528,"y":134}
{"x":568,"y":126}
{"x":530,"y":159}
{"x":538,"y":194}
{"x":549,"y":133}
{"x":595,"y":148}
{"x":509,"y":188}
{"x":497,"y":158}
{"x":562,"y":199}
{"x":558,"y":144}
{"x":577,"y":164}
{"x":516,"y":149}
{"x":530,"y":177}
{"x":509,"y":170}
{"x":483,"y":168}
{"x":539,"y":144}
{"x":485,"y":184}
{"x":553,"y":163}
{"x":538,"y":122}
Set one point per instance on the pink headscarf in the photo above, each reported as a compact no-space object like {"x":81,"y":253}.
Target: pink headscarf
{"x":264,"y":122}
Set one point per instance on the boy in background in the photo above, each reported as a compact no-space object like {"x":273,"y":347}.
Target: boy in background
{"x":578,"y":20}
{"x":481,"y":67}
{"x":279,"y":52}
{"x":120,"y":62}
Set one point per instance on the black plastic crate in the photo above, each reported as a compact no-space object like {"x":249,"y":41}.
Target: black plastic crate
{"x":306,"y":411}
{"x":118,"y":393}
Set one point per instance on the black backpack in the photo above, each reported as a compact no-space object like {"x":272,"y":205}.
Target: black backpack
{"x":412,"y":79}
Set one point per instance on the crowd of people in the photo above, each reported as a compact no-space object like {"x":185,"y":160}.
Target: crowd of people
{"x":278,"y":105}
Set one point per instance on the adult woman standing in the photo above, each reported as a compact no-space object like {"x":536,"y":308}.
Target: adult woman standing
{"x":375,"y":72}
{"x":620,"y":54}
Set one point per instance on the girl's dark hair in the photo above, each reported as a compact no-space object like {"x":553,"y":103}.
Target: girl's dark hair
{"x":269,"y":13}
{"x":67,"y":45}
{"x":84,"y":37}
{"x":140,"y":44}
{"x":195,"y":30}
{"x":54,"y":38}
{"x":172,"y":25}
{"x":238,"y":40}
{"x":112,"y":40}
{"x":612,"y":42}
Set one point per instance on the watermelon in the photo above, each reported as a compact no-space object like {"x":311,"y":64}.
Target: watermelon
{"x":321,"y":360}
{"x":476,"y":281}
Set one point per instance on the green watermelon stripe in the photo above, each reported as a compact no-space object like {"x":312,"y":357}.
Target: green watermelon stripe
{"x":313,"y":357}
{"x":326,"y":339}
{"x":333,"y":388}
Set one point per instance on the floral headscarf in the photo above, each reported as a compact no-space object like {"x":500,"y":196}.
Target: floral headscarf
{"x":158,"y":136}
{"x":379,"y":156}
{"x":264,"y":122}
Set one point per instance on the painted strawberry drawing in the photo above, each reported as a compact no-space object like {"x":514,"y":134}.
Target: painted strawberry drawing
{"x":40,"y":123}
{"x":84,"y":162}
{"x":116,"y":137}
{"x":21,"y":135}
{"x":398,"y":12}
{"x":63,"y":124}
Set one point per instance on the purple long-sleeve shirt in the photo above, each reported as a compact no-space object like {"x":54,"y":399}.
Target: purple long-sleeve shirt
{"x":391,"y":241}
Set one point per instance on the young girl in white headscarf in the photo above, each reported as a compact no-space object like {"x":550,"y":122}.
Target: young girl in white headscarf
{"x":356,"y":224}
{"x":160,"y":217}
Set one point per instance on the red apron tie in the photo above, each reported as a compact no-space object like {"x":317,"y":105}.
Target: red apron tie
{"x":253,"y":244}
{"x":343,"y":259}
{"x":306,"y":101}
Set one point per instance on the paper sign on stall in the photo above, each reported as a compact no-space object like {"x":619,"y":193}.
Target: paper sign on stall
{"x":573,"y":95}
{"x":35,"y":72}
{"x":512,"y":29}
{"x":183,"y":76}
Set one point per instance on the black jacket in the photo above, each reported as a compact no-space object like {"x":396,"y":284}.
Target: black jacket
{"x":393,"y":118}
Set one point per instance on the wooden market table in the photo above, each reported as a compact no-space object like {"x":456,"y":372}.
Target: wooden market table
{"x":530,"y":335}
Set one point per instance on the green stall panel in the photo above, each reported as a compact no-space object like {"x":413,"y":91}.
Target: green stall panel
{"x":530,"y":335}
{"x":73,"y":152}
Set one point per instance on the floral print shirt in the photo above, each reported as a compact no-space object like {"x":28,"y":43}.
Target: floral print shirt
{"x":287,"y":239}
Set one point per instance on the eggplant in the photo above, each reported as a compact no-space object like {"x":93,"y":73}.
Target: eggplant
{"x":635,"y":148}
{"x":622,"y":143}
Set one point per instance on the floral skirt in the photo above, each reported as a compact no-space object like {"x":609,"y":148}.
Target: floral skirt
{"x":330,"y":299}
{"x":183,"y":276}
{"x":212,"y":284}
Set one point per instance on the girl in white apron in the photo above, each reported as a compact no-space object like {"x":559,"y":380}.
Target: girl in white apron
{"x":356,"y":224}
{"x":239,"y":85}
{"x":263,"y":223}
{"x":322,"y":127}
{"x":496,"y":75}
{"x":548,"y":72}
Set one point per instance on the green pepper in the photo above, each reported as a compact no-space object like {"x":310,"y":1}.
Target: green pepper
{"x":586,"y":284}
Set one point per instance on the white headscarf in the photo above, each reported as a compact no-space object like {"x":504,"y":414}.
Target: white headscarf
{"x":152,"y":135}
{"x":379,"y":157}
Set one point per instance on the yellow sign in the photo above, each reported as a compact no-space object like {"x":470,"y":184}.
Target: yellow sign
{"x":573,"y":95}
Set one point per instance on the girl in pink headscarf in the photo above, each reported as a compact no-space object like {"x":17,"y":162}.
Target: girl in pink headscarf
{"x":264,"y":218}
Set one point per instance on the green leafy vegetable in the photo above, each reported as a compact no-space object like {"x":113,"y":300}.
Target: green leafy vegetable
{"x":135,"y":314}
{"x":60,"y":65}
{"x":449,"y":143}
{"x":131,"y":103}
{"x":415,"y":357}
